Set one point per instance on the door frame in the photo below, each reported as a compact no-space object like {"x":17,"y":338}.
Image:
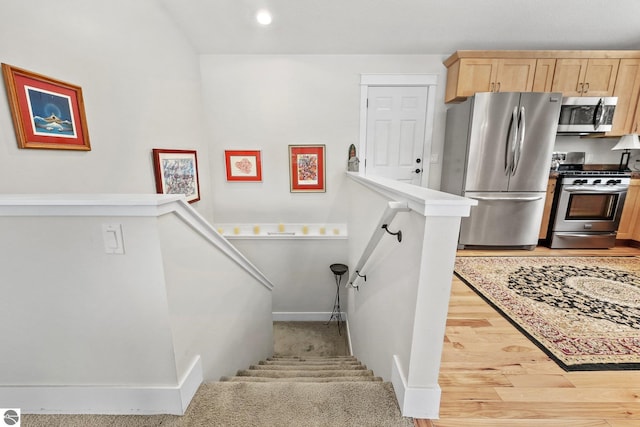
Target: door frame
{"x":388,"y":80}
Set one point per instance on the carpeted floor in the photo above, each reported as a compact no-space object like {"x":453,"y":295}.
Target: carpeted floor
{"x":310,"y":382}
{"x":309,"y":339}
{"x":584,"y":312}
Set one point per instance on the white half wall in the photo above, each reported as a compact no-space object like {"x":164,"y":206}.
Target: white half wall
{"x":131,"y":333}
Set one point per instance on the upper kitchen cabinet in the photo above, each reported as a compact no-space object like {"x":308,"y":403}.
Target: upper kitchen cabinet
{"x":470,"y":75}
{"x":543,"y":78}
{"x":585,"y":77}
{"x":627,"y":89}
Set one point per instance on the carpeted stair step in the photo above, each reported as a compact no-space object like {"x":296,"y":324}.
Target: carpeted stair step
{"x":302,"y":363}
{"x":303,"y":379}
{"x":302,"y":373}
{"x":303,"y":404}
{"x":344,"y":359}
{"x":303,"y":367}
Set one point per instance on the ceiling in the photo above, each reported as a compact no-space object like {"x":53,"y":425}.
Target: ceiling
{"x":406,"y":26}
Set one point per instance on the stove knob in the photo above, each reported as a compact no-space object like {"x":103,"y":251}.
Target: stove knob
{"x":578,"y":182}
{"x":597,"y":181}
{"x":613,"y":182}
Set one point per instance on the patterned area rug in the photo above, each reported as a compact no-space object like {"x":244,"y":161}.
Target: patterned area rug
{"x":584,"y":312}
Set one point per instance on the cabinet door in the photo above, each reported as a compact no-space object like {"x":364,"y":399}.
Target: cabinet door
{"x":546,"y":214}
{"x":568,"y":77}
{"x":600,"y":77}
{"x":476,"y":75}
{"x":627,"y":228}
{"x":543,"y":78}
{"x":627,"y":90}
{"x":515,"y":75}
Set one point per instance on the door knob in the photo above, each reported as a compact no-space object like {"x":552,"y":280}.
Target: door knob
{"x":418,"y":160}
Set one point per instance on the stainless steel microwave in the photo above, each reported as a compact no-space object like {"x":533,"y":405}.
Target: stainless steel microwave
{"x":586,"y":114}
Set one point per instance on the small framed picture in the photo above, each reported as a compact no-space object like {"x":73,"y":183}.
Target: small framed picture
{"x":243,"y":165}
{"x":307,"y":168}
{"x":176,"y":172}
{"x":46,"y":113}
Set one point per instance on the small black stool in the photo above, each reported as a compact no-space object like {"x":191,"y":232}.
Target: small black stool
{"x":338,"y":271}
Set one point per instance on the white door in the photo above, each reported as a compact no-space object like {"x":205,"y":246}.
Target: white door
{"x":395,"y":134}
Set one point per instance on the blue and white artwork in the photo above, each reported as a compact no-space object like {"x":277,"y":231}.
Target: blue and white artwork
{"x":51,"y":113}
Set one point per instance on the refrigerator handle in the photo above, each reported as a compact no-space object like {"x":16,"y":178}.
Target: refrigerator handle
{"x":521,"y":134}
{"x":509,"y":147}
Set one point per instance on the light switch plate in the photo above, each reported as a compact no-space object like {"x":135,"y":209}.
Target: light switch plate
{"x":112,"y":236}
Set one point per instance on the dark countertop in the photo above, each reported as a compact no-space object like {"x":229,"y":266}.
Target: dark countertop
{"x":598,"y":167}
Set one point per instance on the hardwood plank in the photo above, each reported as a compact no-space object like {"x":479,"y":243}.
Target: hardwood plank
{"x":535,"y":410}
{"x":568,"y":394}
{"x":519,"y":423}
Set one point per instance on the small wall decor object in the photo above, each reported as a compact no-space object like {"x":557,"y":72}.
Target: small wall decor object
{"x":46,"y":113}
{"x":307,"y":168}
{"x":353,"y":164}
{"x":243,"y":165}
{"x":176,"y":172}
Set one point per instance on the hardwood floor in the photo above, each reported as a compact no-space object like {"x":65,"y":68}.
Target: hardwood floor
{"x":492,"y":375}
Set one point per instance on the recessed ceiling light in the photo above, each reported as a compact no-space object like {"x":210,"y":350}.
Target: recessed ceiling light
{"x":264,"y":17}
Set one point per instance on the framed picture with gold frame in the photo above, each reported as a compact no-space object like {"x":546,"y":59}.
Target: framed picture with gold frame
{"x":47,"y":113}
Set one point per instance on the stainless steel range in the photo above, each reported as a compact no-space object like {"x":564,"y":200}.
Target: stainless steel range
{"x":587,"y":209}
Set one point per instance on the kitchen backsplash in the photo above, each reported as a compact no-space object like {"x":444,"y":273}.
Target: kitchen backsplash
{"x":597,"y":150}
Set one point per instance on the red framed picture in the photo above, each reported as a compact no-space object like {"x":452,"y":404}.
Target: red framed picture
{"x":176,"y":172}
{"x":46,"y":113}
{"x":243,"y":165}
{"x":307,"y":168}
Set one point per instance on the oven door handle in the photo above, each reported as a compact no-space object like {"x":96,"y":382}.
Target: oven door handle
{"x":578,"y":189}
{"x":513,"y":199}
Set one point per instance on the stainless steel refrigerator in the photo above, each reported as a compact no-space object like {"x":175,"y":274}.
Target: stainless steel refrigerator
{"x":497,"y":150}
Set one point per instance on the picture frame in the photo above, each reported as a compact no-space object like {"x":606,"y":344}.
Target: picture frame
{"x":307,"y":168}
{"x":176,"y":172}
{"x":47,"y":113}
{"x":243,"y":165}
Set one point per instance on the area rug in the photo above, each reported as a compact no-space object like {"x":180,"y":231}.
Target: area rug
{"x":584,"y":312}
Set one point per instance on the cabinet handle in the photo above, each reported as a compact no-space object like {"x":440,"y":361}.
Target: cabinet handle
{"x":491,"y":87}
{"x":579,"y":88}
{"x":586,"y":87}
{"x":498,"y":87}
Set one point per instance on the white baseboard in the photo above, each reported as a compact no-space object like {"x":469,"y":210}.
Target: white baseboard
{"x":416,"y":402}
{"x":111,"y":400}
{"x":303,"y":316}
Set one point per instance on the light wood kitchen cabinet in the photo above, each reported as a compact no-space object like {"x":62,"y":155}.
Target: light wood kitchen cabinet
{"x":627,"y":89}
{"x":546,"y":214}
{"x":470,"y":75}
{"x":543,"y":78}
{"x":585,"y":77}
{"x":629,"y":227}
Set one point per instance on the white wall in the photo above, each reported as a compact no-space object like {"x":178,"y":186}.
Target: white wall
{"x":299,"y":270}
{"x":381,"y":313}
{"x":136,"y":332}
{"x":267,"y":102}
{"x":141,"y":85}
{"x":216,"y":310}
{"x":76,"y":315}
